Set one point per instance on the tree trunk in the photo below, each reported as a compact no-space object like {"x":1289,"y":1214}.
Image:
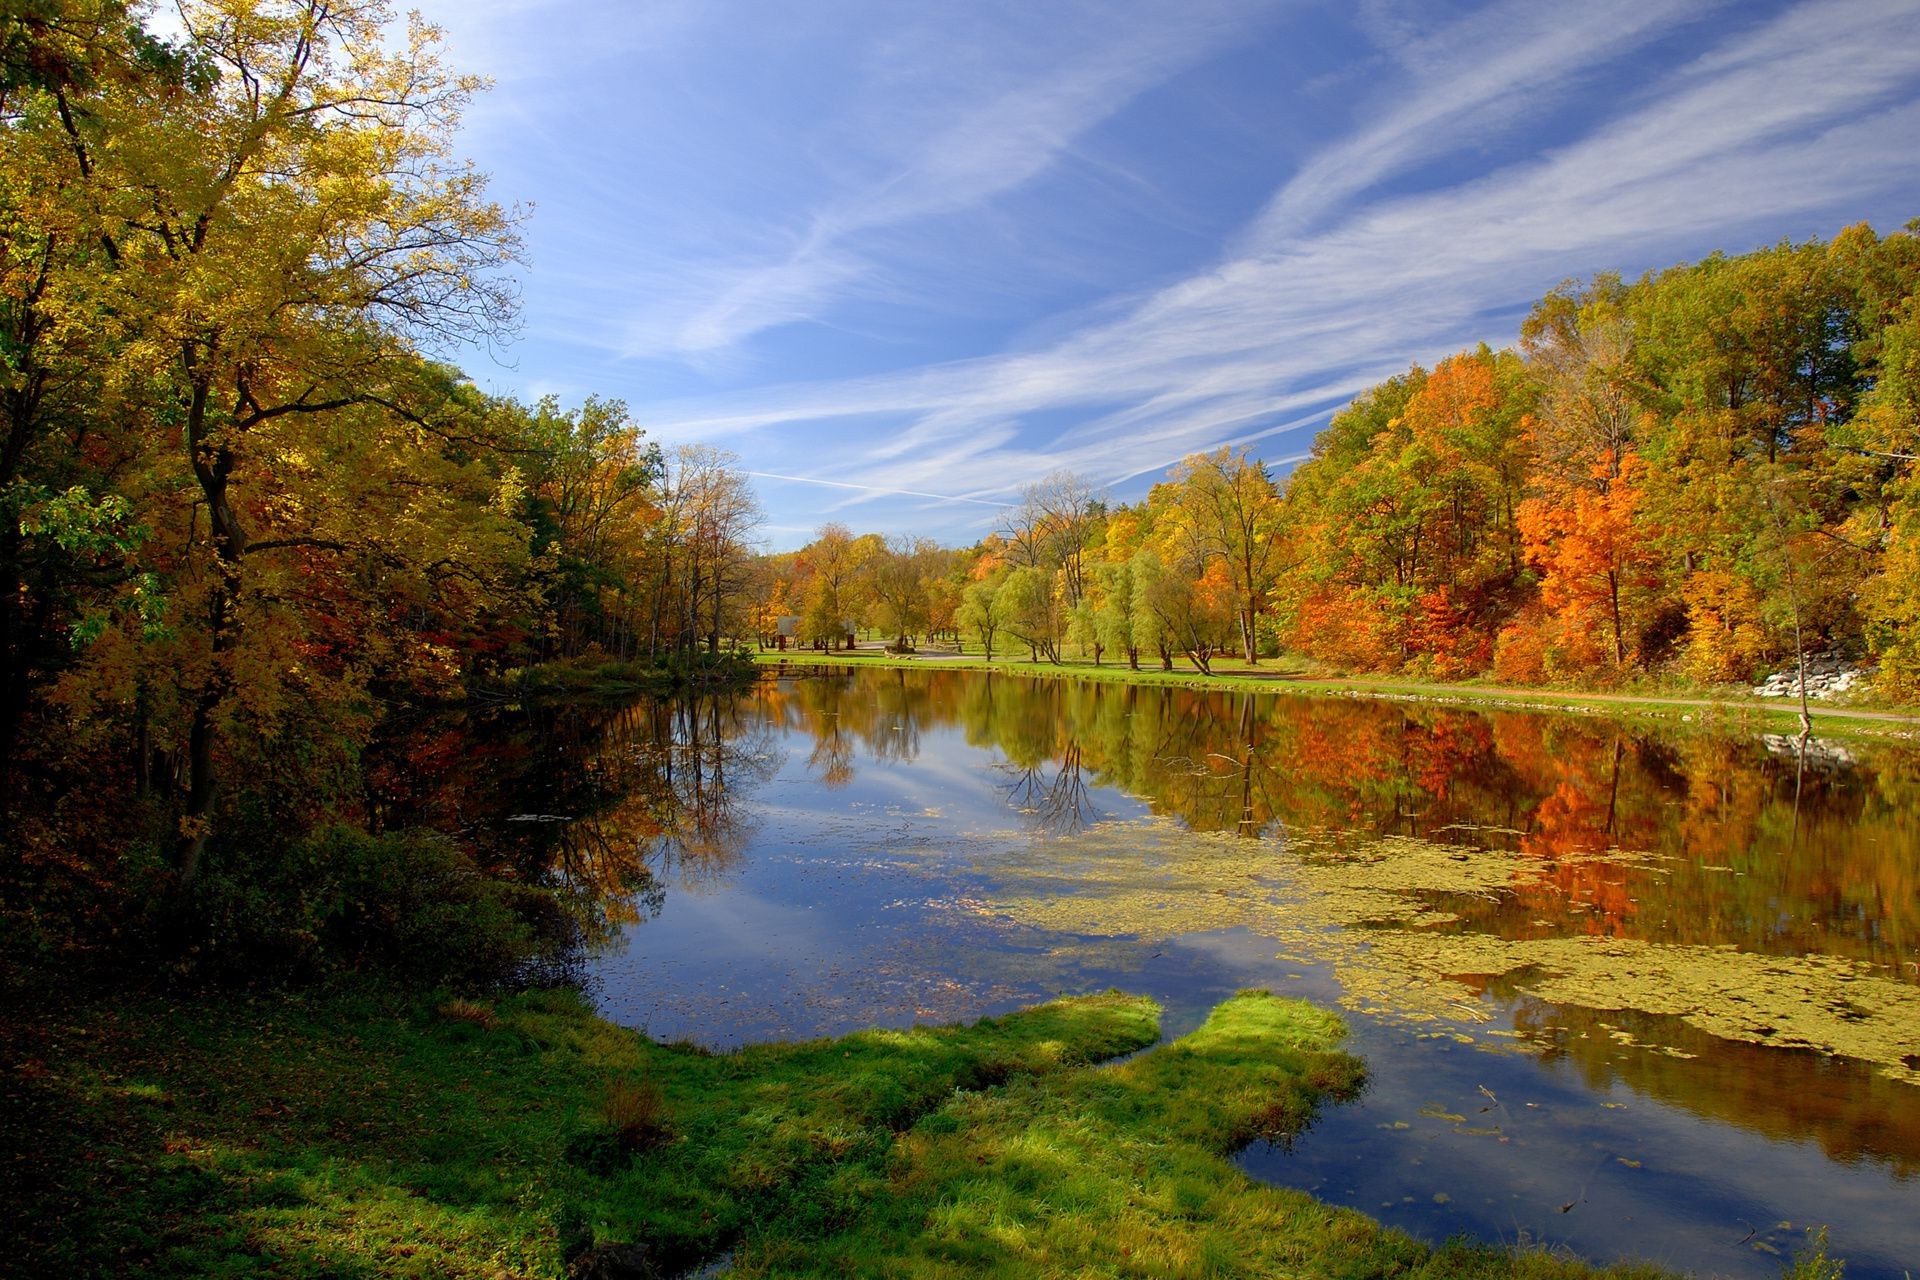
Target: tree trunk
{"x":212,"y":467}
{"x":1619,"y":641}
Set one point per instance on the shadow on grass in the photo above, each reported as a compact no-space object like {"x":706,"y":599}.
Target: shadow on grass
{"x":359,"y":1134}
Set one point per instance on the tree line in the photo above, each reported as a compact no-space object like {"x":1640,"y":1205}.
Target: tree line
{"x":247,"y":509}
{"x":1703,"y":473}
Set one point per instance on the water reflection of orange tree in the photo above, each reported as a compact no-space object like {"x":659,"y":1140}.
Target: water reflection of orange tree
{"x":1746,"y":848}
{"x":656,"y":786}
{"x":1712,"y":845}
{"x":1853,"y":1111}
{"x":1705,"y":839}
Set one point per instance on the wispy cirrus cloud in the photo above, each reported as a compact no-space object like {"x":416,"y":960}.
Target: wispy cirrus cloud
{"x":1479,"y":76}
{"x":961,"y":107}
{"x":1335,"y":285}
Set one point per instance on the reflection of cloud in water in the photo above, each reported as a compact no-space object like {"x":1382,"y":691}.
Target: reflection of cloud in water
{"x":1368,"y":908}
{"x":752,"y":965}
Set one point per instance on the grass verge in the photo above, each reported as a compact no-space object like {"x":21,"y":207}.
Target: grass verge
{"x":1278,"y":676}
{"x":369,"y":1133}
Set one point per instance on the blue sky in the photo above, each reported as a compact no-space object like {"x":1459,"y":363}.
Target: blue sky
{"x":905,"y":257}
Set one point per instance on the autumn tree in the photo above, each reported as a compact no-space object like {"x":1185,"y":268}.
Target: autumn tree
{"x":1050,"y":527}
{"x":1405,"y":543}
{"x":269,"y":237}
{"x":593,"y":495}
{"x":834,"y":597}
{"x":901,"y":577}
{"x":704,"y":549}
{"x":1230,"y":507}
{"x":68,"y":539}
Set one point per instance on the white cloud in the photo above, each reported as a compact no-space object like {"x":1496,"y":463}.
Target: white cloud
{"x":1326,"y":294}
{"x":987,"y":116}
{"x":1473,"y":78}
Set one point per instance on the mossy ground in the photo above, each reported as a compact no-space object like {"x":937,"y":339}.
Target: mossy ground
{"x":356,"y":1133}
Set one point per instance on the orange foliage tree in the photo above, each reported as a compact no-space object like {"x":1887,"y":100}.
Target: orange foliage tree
{"x":1597,"y":569}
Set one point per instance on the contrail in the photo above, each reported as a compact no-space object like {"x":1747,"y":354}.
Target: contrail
{"x":874,"y":488}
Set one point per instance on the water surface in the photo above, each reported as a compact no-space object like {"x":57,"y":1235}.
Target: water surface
{"x":1625,"y":994}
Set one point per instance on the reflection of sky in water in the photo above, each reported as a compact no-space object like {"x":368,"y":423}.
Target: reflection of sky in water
{"x":869,"y":902}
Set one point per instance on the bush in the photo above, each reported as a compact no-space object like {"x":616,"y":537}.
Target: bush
{"x":411,"y":902}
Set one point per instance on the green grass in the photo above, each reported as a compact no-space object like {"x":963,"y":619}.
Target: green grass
{"x":356,"y":1133}
{"x":1714,"y":708}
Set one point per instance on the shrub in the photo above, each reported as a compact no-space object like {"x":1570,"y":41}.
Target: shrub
{"x":411,"y":902}
{"x":1812,"y":1261}
{"x":472,"y":1012}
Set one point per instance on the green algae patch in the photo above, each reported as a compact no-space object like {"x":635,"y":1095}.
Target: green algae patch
{"x":1382,"y":914}
{"x":1823,"y":1004}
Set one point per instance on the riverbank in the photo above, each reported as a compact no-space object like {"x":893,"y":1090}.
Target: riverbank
{"x":587,"y":678}
{"x":364,"y":1131}
{"x":1734,"y":715}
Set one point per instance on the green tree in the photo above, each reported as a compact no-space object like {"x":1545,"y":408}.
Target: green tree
{"x":977,"y":613}
{"x":1027,"y":607}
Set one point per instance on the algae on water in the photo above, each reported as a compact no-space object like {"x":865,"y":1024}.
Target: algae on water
{"x":1381,"y":914}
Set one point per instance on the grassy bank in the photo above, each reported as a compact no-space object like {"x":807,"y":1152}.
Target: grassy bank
{"x":1279,"y":676}
{"x":361,"y":1133}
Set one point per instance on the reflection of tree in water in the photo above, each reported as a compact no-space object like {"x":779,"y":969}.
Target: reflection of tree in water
{"x":1750,"y":849}
{"x":705,"y":757}
{"x":597,"y":803}
{"x":846,"y":714}
{"x":1234,"y":769}
{"x":1057,"y":799}
{"x":1853,"y":1111}
{"x":832,"y":757}
{"x":901,"y":706}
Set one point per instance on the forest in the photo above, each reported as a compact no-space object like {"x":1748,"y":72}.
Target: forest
{"x":1694,"y":476}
